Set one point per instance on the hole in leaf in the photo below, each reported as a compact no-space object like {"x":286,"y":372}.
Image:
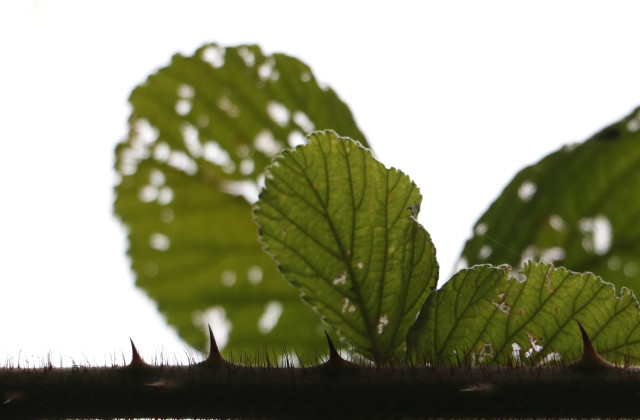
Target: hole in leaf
{"x":554,"y":358}
{"x":481,"y":229}
{"x":501,"y":304}
{"x":185,"y":91}
{"x":157,"y":178}
{"x":247,"y":55}
{"x":191,"y":140}
{"x":345,"y":305}
{"x":246,"y":166}
{"x":254,"y":274}
{"x":215,"y":154}
{"x":247,"y":189}
{"x":360,"y":265}
{"x":183,"y":107}
{"x":527,"y":190}
{"x":461,"y":264}
{"x":145,"y":132}
{"x":216,"y":317}
{"x":228,"y":278}
{"x":558,"y":223}
{"x":266,"y":70}
{"x":529,"y":254}
{"x":296,"y":139}
{"x":598,"y":234}
{"x":305,"y":76}
{"x":485,"y":252}
{"x":165,"y":196}
{"x":181,"y":161}
{"x":552,"y":255}
{"x":148,"y":193}
{"x":269,"y":318}
{"x":303,"y":121}
{"x":161,"y":152}
{"x":265,"y":143}
{"x":225,"y":104}
{"x":382,"y":322}
{"x":535,"y":347}
{"x":159,"y":242}
{"x":278,"y":113}
{"x":214,"y":55}
{"x":340,"y":279}
{"x":515,"y":352}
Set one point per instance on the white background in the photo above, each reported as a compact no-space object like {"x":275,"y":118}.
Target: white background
{"x":458,"y":94}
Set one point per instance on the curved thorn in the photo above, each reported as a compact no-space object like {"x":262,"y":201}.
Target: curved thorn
{"x":590,"y":357}
{"x":136,"y":359}
{"x":334,"y":356}
{"x":215,"y":357}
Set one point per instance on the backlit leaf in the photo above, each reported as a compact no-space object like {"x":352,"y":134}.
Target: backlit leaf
{"x":485,"y":314}
{"x":343,"y":229}
{"x":577,"y":207}
{"x":202,"y":131}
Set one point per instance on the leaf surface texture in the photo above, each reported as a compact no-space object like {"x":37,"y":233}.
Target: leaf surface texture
{"x":343,"y":229}
{"x":201,"y":132}
{"x":577,"y":207}
{"x":484,"y":315}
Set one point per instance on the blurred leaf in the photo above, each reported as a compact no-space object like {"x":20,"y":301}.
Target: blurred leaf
{"x":578,"y":207}
{"x":343,"y":229}
{"x":482,"y":315}
{"x":202,"y":130}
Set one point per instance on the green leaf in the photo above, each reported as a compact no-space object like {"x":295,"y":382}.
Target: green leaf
{"x":577,"y":207}
{"x":484,"y":315}
{"x":202,"y":131}
{"x":343,"y":230}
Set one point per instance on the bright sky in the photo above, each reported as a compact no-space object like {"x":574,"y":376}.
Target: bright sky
{"x":457,"y":94}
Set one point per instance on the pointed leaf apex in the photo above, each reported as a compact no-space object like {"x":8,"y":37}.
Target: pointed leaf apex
{"x":590,"y":357}
{"x":215,"y":357}
{"x":136,"y":359}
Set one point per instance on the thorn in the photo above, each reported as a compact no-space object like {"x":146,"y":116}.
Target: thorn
{"x":136,"y":359}
{"x":334,"y":356}
{"x":215,"y":357}
{"x":590,"y":360}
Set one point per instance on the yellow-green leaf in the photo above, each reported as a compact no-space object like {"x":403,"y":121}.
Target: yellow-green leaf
{"x":343,"y":229}
{"x":485,"y":314}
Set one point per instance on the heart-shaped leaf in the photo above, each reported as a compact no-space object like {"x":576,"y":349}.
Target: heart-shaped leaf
{"x":343,"y":229}
{"x":202,"y":131}
{"x":484,"y":315}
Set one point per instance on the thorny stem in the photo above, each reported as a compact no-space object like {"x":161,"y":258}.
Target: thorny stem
{"x":336,"y":388}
